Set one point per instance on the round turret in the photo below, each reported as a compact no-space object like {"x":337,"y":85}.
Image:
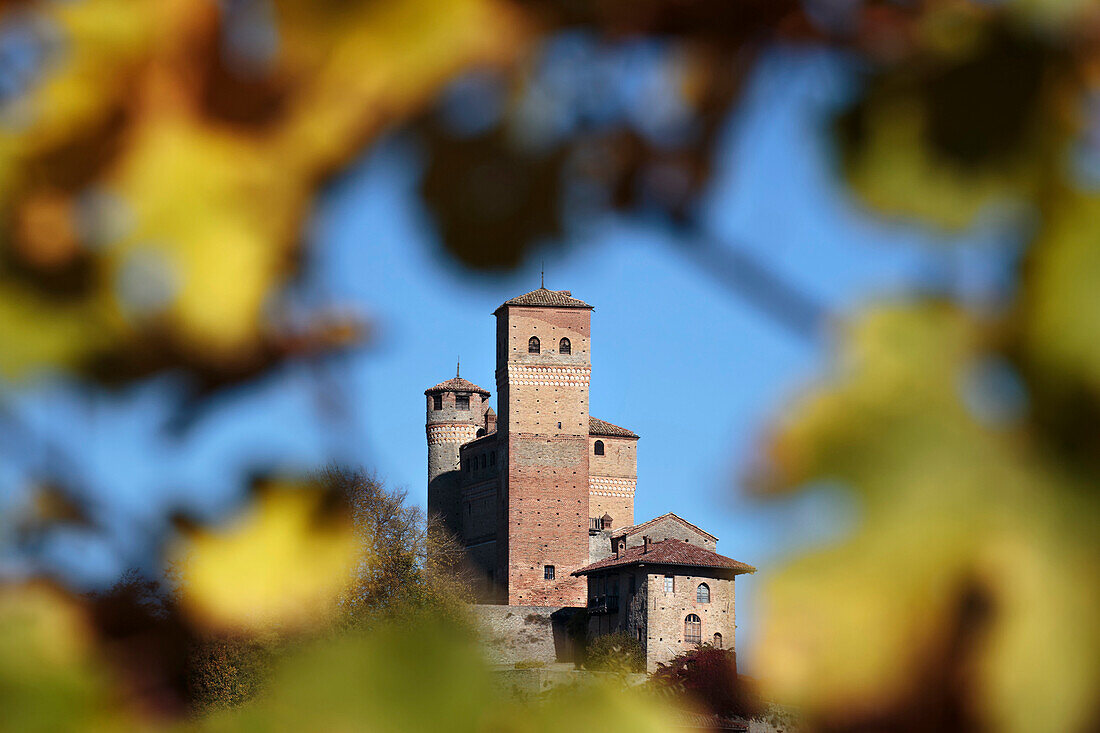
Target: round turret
{"x":455,"y":412}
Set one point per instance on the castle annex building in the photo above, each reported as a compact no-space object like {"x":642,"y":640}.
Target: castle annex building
{"x":542,"y":495}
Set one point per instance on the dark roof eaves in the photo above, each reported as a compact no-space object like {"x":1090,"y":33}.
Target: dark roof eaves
{"x":587,"y":570}
{"x":502,"y":306}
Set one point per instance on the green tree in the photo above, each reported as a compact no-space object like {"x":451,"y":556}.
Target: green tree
{"x":619,"y":652}
{"x":408,"y":562}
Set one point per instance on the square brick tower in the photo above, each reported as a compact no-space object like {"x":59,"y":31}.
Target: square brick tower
{"x":543,"y":368}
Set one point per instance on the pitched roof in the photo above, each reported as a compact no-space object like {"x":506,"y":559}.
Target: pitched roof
{"x":456,"y":384}
{"x":547,"y":298}
{"x":669,"y":552}
{"x":602,"y":427}
{"x":635,"y":529}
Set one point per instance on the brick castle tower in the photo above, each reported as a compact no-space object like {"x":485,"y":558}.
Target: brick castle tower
{"x":525,"y":498}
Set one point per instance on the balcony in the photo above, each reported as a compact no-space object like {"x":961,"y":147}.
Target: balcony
{"x":603,"y":604}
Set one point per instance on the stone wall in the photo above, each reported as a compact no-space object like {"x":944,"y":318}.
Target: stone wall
{"x":525,"y":684}
{"x":447,"y":429}
{"x":666,"y":613}
{"x":599,"y":545}
{"x":513,"y":634}
{"x":668,"y":528}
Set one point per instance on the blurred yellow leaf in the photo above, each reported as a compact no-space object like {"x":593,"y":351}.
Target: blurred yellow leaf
{"x":422,"y":675}
{"x":38,"y":333}
{"x":50,"y":678}
{"x":1062,"y":282}
{"x":214,"y":219}
{"x":966,"y":568}
{"x":280,"y":565}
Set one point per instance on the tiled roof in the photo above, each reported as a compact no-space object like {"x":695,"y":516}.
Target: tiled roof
{"x":548,"y":298}
{"x":635,"y":529}
{"x":602,"y":427}
{"x":669,"y":552}
{"x":456,"y":384}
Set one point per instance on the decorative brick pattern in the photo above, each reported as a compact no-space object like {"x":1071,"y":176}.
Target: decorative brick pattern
{"x":602,"y":486}
{"x":520,"y":374}
{"x":451,"y":433}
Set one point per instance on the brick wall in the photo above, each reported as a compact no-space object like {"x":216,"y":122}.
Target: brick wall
{"x":613,"y":479}
{"x":544,"y":418}
{"x":547,"y":519}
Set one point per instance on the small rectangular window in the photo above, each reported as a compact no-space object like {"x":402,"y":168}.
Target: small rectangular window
{"x":437,"y":402}
{"x":670,"y":583}
{"x":462,"y":402}
{"x":548,"y":572}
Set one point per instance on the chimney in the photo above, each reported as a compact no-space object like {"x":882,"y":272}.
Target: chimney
{"x":645,"y":544}
{"x":490,"y":421}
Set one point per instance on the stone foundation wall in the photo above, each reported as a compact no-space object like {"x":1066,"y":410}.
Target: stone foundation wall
{"x":513,"y":634}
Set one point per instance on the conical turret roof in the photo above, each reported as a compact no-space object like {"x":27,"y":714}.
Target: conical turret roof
{"x":457,"y":384}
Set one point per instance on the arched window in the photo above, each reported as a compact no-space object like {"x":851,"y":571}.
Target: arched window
{"x":533,"y":345}
{"x":480,"y":432}
{"x":693,"y":629}
{"x":564,"y":347}
{"x":702,"y":593}
{"x":717,"y":641}
{"x":598,"y":448}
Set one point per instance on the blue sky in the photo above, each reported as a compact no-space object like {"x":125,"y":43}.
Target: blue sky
{"x":677,"y":357}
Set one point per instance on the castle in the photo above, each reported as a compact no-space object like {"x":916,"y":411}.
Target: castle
{"x":542,"y":495}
